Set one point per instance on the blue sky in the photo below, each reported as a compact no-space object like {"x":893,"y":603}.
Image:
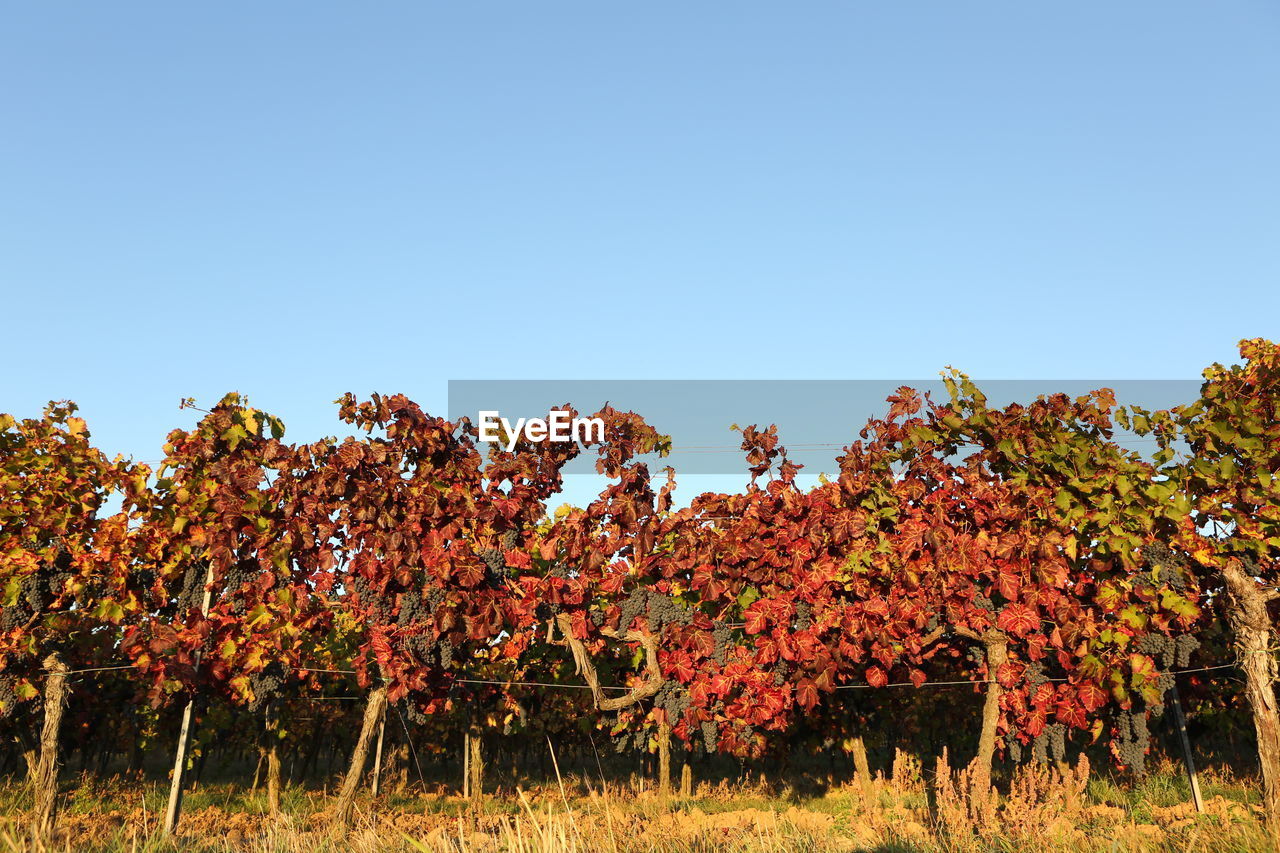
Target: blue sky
{"x":295,"y":200}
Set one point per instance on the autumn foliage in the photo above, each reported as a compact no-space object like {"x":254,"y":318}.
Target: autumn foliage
{"x":1022,"y":546}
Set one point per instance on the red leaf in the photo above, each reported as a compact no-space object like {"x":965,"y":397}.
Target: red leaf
{"x":683,"y":671}
{"x":470,"y":573}
{"x":806,"y":694}
{"x":1018,"y":619}
{"x":1072,"y":715}
{"x":381,"y":649}
{"x":1092,"y":697}
{"x":1008,"y":585}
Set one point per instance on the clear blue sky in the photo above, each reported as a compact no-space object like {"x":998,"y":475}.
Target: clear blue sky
{"x":299,"y":199}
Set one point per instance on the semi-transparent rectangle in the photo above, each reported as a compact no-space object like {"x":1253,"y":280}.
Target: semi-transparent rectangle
{"x":815,"y":418}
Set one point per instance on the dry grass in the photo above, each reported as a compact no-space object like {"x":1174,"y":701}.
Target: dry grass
{"x":1045,"y":810}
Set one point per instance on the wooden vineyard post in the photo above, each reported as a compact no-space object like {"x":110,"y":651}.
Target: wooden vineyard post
{"x":1250,"y":621}
{"x":686,"y":781}
{"x":46,"y":775}
{"x":377,"y":754}
{"x":466,"y":765}
{"x":174,"y":809}
{"x":475,"y":768}
{"x":1174,"y":701}
{"x":346,"y":796}
{"x":664,"y":759}
{"x":996,"y":647}
{"x":273,"y":758}
{"x":861,"y":767}
{"x":30,"y":754}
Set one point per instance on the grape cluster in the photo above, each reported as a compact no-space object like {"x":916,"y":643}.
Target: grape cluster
{"x":13,"y":617}
{"x":1156,"y":645}
{"x":1034,"y":674}
{"x":596,"y":616}
{"x":1039,"y":749}
{"x":1051,"y":743}
{"x":721,"y":634}
{"x":673,"y":699}
{"x":266,"y":684}
{"x":977,"y":655}
{"x":496,"y":563}
{"x":38,"y":591}
{"x":1014,"y":748}
{"x":660,"y":610}
{"x":663,"y":610}
{"x":428,"y":650}
{"x":1058,"y":742}
{"x":497,"y":572}
{"x":779,"y":673}
{"x":144,"y":578}
{"x":1186,"y":647}
{"x":632,"y":607}
{"x":637,"y":740}
{"x":1169,"y":652}
{"x":804,"y":615}
{"x":1132,"y":740}
{"x":1172,"y":565}
{"x":241,"y":573}
{"x":710,"y":736}
{"x":418,"y":608}
{"x":192,"y":593}
{"x":984,"y":603}
{"x":377,"y":606}
{"x":415,"y":715}
{"x":8,"y":696}
{"x":413,"y":610}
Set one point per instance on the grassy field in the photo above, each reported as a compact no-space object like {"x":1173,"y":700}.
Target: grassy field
{"x":913,"y":809}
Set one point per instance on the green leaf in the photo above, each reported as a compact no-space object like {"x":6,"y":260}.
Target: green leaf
{"x":1133,"y":617}
{"x":109,"y":611}
{"x":234,"y":435}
